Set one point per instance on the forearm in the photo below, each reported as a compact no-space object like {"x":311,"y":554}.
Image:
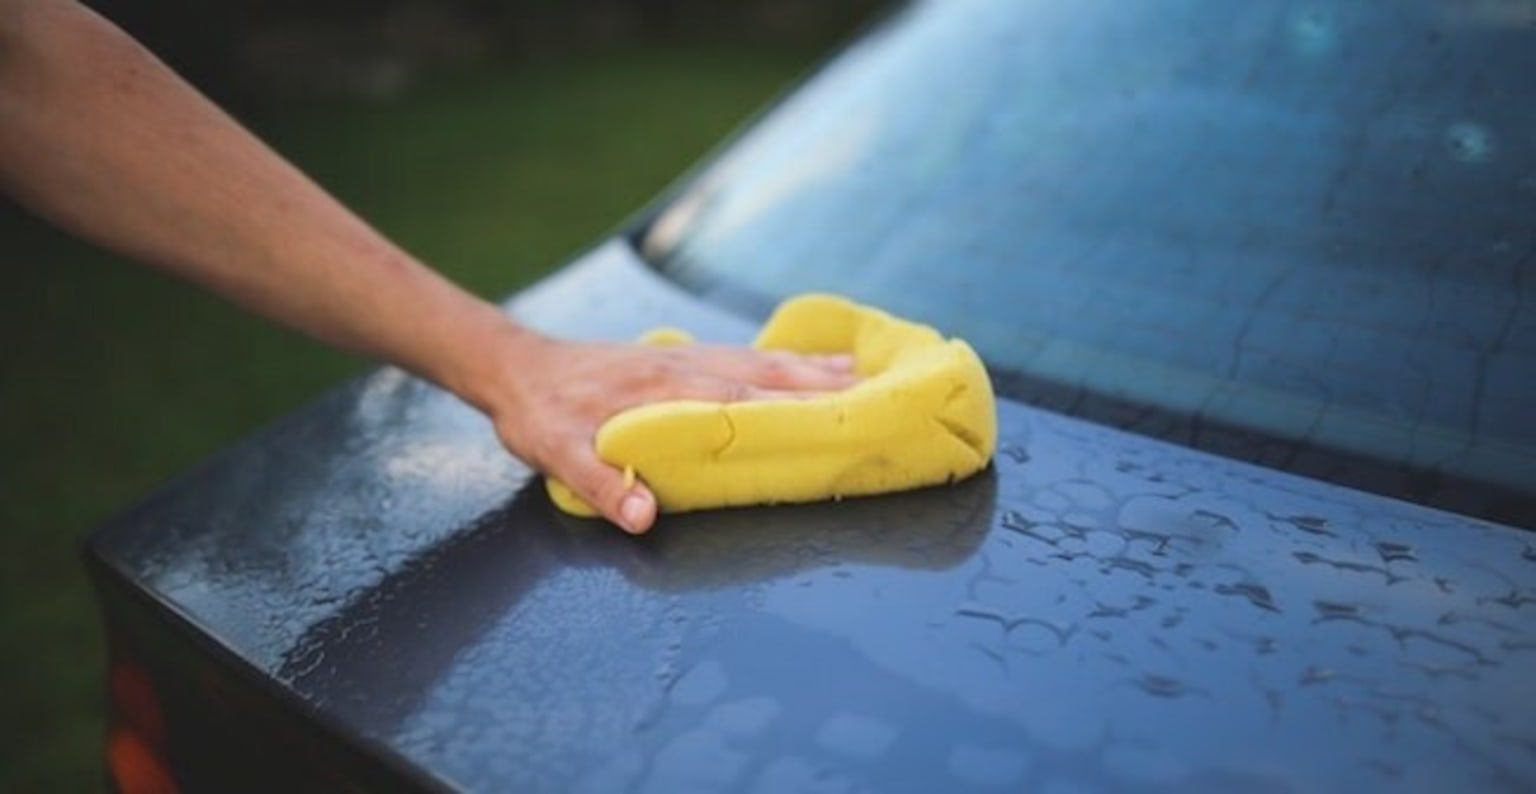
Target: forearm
{"x":97,"y":135}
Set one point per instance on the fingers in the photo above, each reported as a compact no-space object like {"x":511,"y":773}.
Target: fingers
{"x":725,"y":391}
{"x":838,"y":362}
{"x":785,"y":372}
{"x":615,"y":494}
{"x":552,"y":420}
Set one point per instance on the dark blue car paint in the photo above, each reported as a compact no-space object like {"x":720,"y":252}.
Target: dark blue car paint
{"x":1098,"y":610}
{"x":1295,"y":233}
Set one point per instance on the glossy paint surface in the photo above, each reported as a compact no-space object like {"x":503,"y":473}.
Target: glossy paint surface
{"x":1287,"y":232}
{"x":1098,"y":611}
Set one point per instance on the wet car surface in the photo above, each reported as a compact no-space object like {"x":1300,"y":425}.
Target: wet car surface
{"x":1100,"y":610}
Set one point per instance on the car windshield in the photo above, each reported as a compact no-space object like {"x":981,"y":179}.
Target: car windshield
{"x":1276,"y":230}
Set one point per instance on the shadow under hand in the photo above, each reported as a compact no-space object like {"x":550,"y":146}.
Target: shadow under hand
{"x":373,"y":661}
{"x":932,"y":529}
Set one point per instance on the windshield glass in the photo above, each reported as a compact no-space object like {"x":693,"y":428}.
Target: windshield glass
{"x":1274,"y":227}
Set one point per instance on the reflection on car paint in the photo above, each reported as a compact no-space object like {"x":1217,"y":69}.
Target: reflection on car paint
{"x":1096,"y":610}
{"x":1299,"y":222}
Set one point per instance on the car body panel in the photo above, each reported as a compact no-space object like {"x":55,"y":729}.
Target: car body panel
{"x":1098,"y":608}
{"x":1297,"y":233}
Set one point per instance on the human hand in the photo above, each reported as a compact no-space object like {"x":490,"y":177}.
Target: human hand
{"x":227,"y":213}
{"x":557,"y":394}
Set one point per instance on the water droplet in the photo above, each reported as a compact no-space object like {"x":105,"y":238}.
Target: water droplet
{"x":1330,"y":610}
{"x":1312,"y":525}
{"x":1257,"y":595}
{"x":1310,"y":558}
{"x":1163,"y":686}
{"x":1210,"y":520}
{"x":1469,"y":142}
{"x":1014,"y":520}
{"x":1134,"y":566}
{"x":1393,"y":552}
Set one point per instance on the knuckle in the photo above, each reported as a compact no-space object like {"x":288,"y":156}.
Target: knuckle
{"x":775,"y":371}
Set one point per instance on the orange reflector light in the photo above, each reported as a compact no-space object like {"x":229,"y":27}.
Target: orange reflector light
{"x":135,"y":767}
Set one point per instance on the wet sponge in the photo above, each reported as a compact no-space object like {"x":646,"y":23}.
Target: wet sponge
{"x":922,"y":415}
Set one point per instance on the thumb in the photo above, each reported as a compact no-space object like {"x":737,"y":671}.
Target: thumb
{"x":610,"y":491}
{"x":637,"y":510}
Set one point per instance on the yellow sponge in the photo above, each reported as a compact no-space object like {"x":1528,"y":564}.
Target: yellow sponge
{"x":923,"y":414}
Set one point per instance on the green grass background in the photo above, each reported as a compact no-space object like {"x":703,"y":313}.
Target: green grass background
{"x":115,"y":378}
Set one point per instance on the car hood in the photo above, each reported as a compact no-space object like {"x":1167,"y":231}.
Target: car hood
{"x":1097,"y":608}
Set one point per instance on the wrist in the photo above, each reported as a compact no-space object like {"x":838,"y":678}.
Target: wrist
{"x":492,"y":372}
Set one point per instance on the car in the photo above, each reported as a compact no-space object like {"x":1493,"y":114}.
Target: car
{"x":1256,"y":287}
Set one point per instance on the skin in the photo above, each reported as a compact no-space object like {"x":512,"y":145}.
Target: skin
{"x":97,"y":135}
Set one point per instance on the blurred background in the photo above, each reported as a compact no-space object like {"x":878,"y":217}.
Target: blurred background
{"x":492,"y":138}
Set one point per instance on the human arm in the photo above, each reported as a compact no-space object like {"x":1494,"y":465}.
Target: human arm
{"x":100,"y":137}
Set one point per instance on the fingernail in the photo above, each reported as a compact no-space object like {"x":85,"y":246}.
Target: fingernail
{"x":634,"y":511}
